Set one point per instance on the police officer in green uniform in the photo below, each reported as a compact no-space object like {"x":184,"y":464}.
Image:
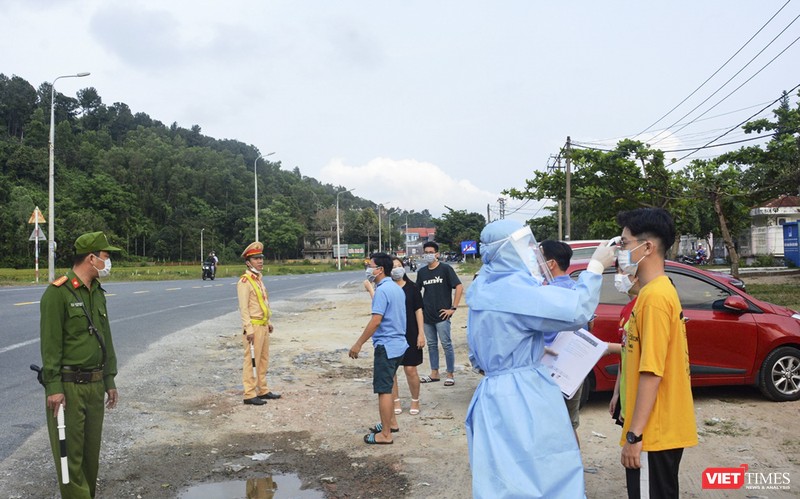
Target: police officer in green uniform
{"x":79,"y":363}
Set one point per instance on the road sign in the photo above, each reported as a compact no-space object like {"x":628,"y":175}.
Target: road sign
{"x":468,"y":248}
{"x":37,"y":234}
{"x":36,"y":217}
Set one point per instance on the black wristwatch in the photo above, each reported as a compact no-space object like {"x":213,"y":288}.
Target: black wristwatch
{"x":632,"y":438}
{"x":453,"y":308}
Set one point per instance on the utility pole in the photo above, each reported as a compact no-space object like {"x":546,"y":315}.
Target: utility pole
{"x":568,"y":155}
{"x":502,"y":202}
{"x":560,"y":228}
{"x":488,"y":214}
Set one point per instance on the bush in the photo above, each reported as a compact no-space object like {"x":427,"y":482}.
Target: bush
{"x":764,"y":261}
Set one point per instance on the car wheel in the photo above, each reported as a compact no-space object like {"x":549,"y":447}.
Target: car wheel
{"x":780,"y":375}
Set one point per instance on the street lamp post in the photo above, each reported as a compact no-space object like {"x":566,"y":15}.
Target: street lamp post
{"x":51,"y":243}
{"x":380,"y":218}
{"x":338,"y":244}
{"x":255,"y":179}
{"x":201,"y":246}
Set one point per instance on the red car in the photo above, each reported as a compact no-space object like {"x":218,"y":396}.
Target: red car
{"x":734,"y":338}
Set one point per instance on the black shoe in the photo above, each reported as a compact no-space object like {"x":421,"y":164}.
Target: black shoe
{"x":255,"y":401}
{"x":270,"y":396}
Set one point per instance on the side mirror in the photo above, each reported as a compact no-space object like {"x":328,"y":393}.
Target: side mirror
{"x":736,"y":303}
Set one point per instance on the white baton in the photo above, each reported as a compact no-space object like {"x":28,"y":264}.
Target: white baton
{"x":253,"y":359}
{"x":62,"y":441}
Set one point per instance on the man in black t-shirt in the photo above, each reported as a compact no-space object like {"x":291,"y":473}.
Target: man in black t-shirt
{"x":437,"y":282}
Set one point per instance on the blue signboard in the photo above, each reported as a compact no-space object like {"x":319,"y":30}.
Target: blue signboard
{"x":469,"y":248}
{"x":790,"y":239}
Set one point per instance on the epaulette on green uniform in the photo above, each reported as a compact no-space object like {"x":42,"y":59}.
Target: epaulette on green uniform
{"x":61,"y":280}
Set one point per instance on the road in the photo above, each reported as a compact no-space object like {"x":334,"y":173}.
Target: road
{"x":140,"y":312}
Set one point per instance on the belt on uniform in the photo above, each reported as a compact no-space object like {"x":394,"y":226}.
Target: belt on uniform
{"x":70,"y":375}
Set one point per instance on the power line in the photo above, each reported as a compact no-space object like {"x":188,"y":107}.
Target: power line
{"x":717,"y":71}
{"x":731,"y":79}
{"x":603,"y":142}
{"x":706,"y":146}
{"x":743,"y":122}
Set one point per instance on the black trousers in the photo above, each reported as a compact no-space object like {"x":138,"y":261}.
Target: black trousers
{"x":658,"y":476}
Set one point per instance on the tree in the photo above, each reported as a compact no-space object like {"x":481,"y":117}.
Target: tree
{"x":359,"y":226}
{"x":604,"y":183}
{"x":544,"y":227}
{"x":456,"y":226}
{"x":282,"y":232}
{"x":17,"y":103}
{"x":720,"y":184}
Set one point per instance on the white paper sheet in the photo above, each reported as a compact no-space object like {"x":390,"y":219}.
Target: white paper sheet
{"x":578,"y":352}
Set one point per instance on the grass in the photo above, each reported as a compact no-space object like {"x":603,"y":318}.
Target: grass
{"x":154,"y":272}
{"x":787,"y":295}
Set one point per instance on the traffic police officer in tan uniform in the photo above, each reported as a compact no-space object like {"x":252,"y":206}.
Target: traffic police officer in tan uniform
{"x":79,"y":363}
{"x":256,"y":327}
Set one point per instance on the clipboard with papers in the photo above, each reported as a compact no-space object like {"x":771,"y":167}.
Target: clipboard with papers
{"x":577,"y":353}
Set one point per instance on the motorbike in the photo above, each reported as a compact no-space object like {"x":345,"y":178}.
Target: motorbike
{"x":698,"y":259}
{"x":209,"y":272}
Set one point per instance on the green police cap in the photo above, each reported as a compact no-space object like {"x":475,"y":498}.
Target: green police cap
{"x":91,"y":242}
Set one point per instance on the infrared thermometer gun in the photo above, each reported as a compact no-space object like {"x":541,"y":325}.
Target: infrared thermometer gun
{"x":614,"y":241}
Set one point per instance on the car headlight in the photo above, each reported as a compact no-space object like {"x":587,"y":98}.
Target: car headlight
{"x":796,"y":316}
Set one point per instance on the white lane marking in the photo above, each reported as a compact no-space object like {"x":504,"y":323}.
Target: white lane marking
{"x":140,"y":292}
{"x":172,"y":289}
{"x":25,"y":303}
{"x":19,"y":345}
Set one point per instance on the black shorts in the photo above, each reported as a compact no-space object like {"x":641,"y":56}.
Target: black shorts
{"x":383,"y":370}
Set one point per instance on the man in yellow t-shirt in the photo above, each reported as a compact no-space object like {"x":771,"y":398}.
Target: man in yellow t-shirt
{"x":656,"y":396}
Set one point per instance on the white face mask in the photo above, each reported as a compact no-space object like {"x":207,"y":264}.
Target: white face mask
{"x":624,"y":260}
{"x":622,"y":283}
{"x":398,"y":273}
{"x":370,"y":274}
{"x":106,"y":270}
{"x":429,"y":258}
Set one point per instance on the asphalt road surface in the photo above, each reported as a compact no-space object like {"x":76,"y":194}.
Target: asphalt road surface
{"x":140,"y":312}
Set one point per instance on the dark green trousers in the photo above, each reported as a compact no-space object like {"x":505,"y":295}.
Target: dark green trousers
{"x":83,"y":418}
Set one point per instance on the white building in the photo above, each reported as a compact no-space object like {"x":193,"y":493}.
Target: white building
{"x":766,"y":229}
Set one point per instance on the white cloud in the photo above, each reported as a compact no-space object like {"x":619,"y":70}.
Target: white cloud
{"x":408,"y":184}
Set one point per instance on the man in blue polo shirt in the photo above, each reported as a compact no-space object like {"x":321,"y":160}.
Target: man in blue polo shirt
{"x":387,"y":327}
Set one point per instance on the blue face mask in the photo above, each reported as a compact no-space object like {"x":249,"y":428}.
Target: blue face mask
{"x":624,"y":260}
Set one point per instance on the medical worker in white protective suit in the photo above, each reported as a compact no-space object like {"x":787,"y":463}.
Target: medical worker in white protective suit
{"x":521,"y":442}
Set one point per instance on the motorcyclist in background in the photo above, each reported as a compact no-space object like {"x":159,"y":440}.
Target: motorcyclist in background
{"x":213,"y":261}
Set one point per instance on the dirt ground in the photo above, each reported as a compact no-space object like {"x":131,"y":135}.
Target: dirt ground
{"x":181,"y":421}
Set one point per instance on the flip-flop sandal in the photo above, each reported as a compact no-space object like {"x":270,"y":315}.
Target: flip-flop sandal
{"x":428,"y":379}
{"x":369,"y":438}
{"x":449,"y":382}
{"x":379,"y":428}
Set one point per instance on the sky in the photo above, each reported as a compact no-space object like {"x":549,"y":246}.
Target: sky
{"x":420,"y":105}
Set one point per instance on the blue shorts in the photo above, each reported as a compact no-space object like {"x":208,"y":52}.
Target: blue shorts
{"x":383,"y":370}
